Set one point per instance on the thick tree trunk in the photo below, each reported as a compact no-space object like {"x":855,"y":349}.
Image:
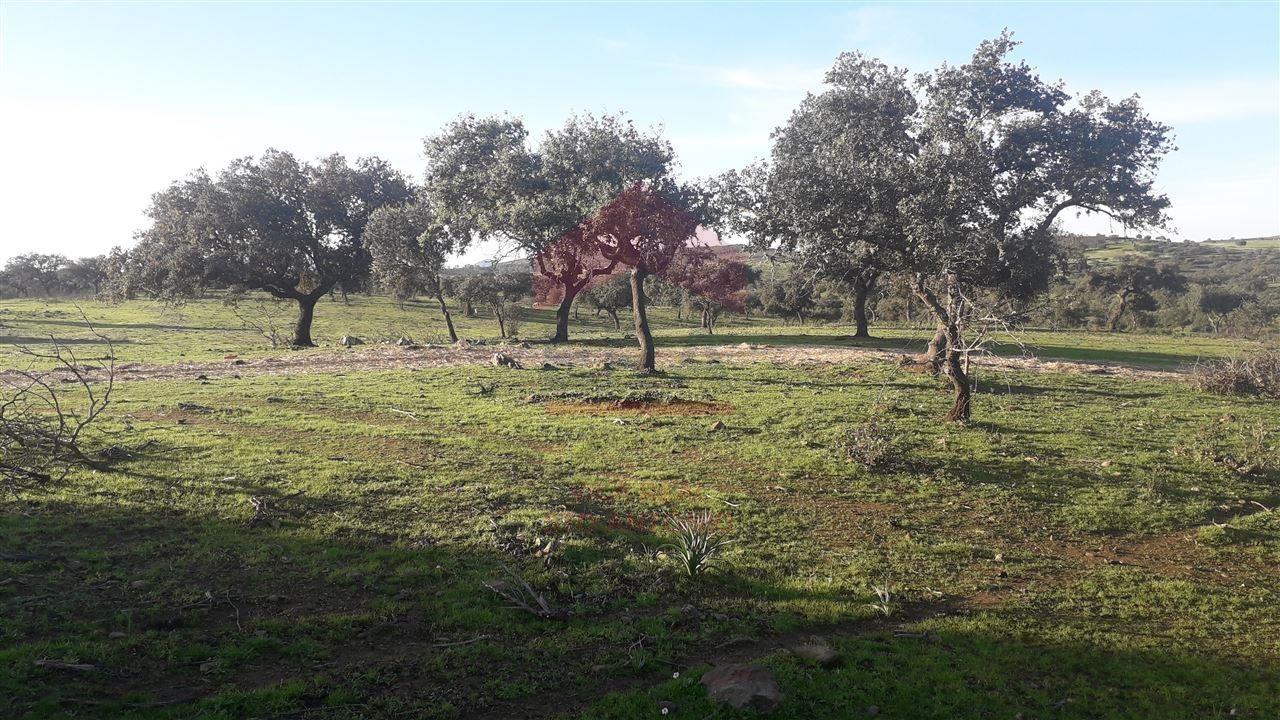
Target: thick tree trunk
{"x":448,"y":319}
{"x":306,"y":312}
{"x":643,"y":336}
{"x":950,"y":331}
{"x":1113,"y":323}
{"x":962,"y":406}
{"x":860,"y":292}
{"x":562,"y":319}
{"x":935,"y":354}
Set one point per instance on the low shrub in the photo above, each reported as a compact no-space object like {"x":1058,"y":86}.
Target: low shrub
{"x":1256,"y":375}
{"x":869,"y":443}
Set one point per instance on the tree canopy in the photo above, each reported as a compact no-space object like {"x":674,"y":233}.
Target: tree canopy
{"x":274,"y":223}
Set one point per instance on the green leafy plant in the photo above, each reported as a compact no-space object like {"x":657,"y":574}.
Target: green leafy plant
{"x":698,"y":545}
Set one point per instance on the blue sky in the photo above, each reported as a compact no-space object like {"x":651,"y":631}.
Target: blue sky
{"x":102,"y":104}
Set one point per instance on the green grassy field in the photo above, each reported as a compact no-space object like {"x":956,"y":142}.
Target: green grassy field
{"x":1088,"y":547}
{"x":145,"y":332}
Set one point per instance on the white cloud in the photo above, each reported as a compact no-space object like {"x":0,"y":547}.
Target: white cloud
{"x":1201,"y":100}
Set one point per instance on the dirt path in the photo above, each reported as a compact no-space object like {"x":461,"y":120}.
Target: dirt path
{"x":390,"y":357}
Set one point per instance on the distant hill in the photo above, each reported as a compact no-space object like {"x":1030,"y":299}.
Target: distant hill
{"x":1211,"y":260}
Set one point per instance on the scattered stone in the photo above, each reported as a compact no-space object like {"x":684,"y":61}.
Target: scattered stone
{"x":404,"y":342}
{"x":138,"y":584}
{"x":743,"y":687}
{"x":116,"y":635}
{"x":717,"y":426}
{"x":116,"y":453}
{"x":350,"y":341}
{"x":525,"y":345}
{"x":999,"y":557}
{"x":202,"y":377}
{"x":873,"y":710}
{"x":817,"y":651}
{"x":273,"y":400}
{"x":549,"y":366}
{"x":606,"y":365}
{"x":194,"y":407}
{"x":505,"y":360}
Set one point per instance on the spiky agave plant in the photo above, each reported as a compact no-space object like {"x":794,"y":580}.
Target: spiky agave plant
{"x":698,"y":545}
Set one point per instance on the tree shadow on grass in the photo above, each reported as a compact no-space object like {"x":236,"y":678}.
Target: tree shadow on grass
{"x":80,"y":324}
{"x":955,"y":673}
{"x":207,"y":616}
{"x":35,"y":340}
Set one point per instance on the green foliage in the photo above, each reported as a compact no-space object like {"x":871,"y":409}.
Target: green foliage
{"x":698,"y":546}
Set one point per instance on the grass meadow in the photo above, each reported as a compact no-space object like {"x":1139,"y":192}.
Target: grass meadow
{"x":317,"y":545}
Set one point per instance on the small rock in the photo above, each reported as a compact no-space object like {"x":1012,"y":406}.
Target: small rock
{"x":743,"y":687}
{"x":606,"y":366}
{"x":138,"y":584}
{"x":717,"y":426}
{"x":549,"y":366}
{"x":404,"y":342}
{"x":873,"y":710}
{"x":999,"y":557}
{"x":116,"y":635}
{"x":505,"y":360}
{"x":817,"y":651}
{"x":273,"y":400}
{"x":350,"y":341}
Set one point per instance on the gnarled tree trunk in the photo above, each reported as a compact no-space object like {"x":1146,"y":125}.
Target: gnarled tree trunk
{"x":562,"y":319}
{"x":1113,"y":323}
{"x":936,"y":353}
{"x":306,"y":313}
{"x":860,"y":292}
{"x":950,"y":319}
{"x":643,"y":336}
{"x":448,"y":319}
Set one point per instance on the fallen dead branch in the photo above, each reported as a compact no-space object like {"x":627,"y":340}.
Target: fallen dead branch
{"x":59,"y":665}
{"x":45,"y":413}
{"x":521,"y":596}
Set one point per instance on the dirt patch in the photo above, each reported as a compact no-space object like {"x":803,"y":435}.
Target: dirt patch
{"x":430,"y":356}
{"x":639,"y":407}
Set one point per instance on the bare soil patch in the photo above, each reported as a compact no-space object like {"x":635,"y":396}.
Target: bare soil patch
{"x":388,"y":357}
{"x":639,"y":407}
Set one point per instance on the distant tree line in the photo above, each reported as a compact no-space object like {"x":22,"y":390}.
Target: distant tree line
{"x":886,"y":197}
